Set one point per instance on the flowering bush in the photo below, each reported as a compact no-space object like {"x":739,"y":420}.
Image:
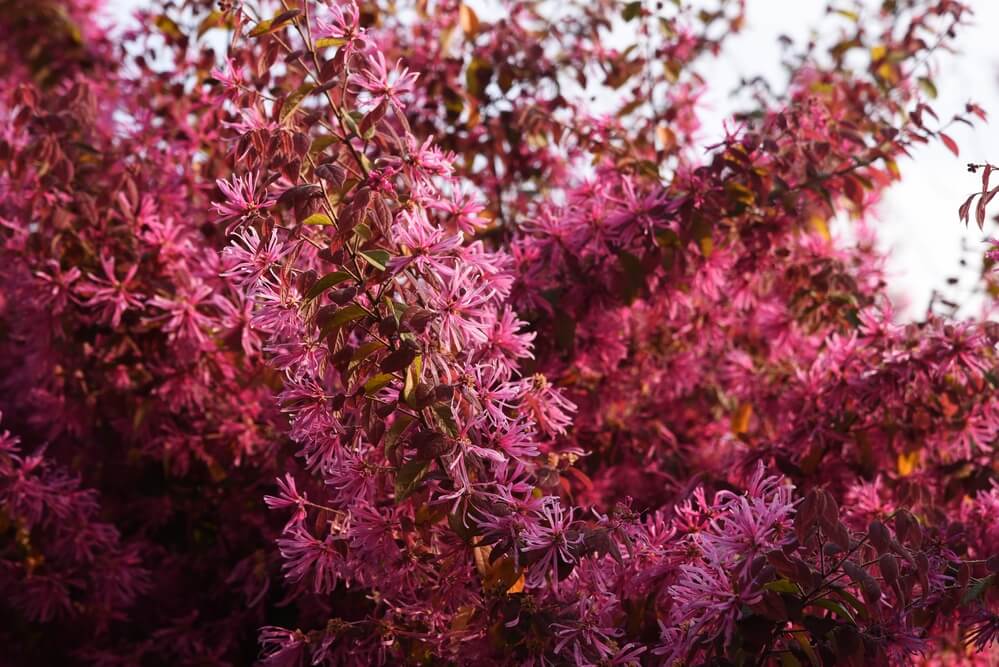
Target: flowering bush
{"x":538,"y":385}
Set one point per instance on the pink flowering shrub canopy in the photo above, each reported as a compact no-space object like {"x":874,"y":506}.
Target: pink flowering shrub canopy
{"x":339,"y":333}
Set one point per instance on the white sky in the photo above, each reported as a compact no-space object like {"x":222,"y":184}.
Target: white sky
{"x":919,"y":225}
{"x":918,"y":217}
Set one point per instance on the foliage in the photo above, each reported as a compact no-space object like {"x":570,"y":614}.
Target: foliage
{"x":538,"y":384}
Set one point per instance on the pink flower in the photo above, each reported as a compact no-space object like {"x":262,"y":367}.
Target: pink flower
{"x":342,"y":25}
{"x":305,"y":556}
{"x":236,"y":315}
{"x":382,"y":85}
{"x":461,"y":305}
{"x":550,"y":542}
{"x":288,"y":497}
{"x":463,"y":208}
{"x":247,"y":259}
{"x":428,"y":158}
{"x":983,"y":629}
{"x":550,"y":410}
{"x":116,"y":296}
{"x":430,"y":250}
{"x":183,"y":320}
{"x":227,"y":75}
{"x":56,"y":292}
{"x":242,"y":201}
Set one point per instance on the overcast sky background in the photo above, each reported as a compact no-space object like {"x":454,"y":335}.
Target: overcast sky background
{"x":918,"y":222}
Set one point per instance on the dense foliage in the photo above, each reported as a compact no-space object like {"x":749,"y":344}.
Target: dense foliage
{"x":354,"y":334}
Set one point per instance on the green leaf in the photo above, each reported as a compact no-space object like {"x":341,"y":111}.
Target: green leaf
{"x":261,"y":28}
{"x":365,"y":351}
{"x":928,"y":87}
{"x":412,"y":379}
{"x":852,"y":600}
{"x":326,"y":42}
{"x":363,"y":232}
{"x":377,"y":258}
{"x":295,"y":99}
{"x":802,"y":638}
{"x":477,"y":76}
{"x":409,"y":477}
{"x":976,"y":589}
{"x":632,"y":10}
{"x":349,"y":123}
{"x":214,"y":20}
{"x":633,"y":275}
{"x":317,"y":219}
{"x":321,"y":143}
{"x":395,"y":432}
{"x":324,"y":283}
{"x":782,"y":586}
{"x":342,"y":316}
{"x":377,"y":382}
{"x":565,"y":330}
{"x":443,"y":412}
{"x":787,"y":659}
{"x":269,"y":25}
{"x":168,"y":26}
{"x":835,"y":607}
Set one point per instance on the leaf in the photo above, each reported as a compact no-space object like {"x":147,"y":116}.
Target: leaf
{"x":781,"y":586}
{"x":327,"y":281}
{"x":409,"y":477}
{"x":700,"y":230}
{"x":261,"y":28}
{"x":787,"y":659}
{"x":463,"y":618}
{"x":377,"y":258}
{"x":741,"y":419}
{"x":412,"y":380}
{"x":818,"y":223}
{"x":632,"y":10}
{"x":802,"y":638}
{"x":950,"y":144}
{"x":272,"y":24}
{"x":633,"y":275}
{"x":398,"y":360}
{"x":365,"y":351}
{"x":907,"y":463}
{"x":503,"y":577}
{"x":295,"y":99}
{"x":834,"y":607}
{"x":853,"y":601}
{"x":349,"y":122}
{"x":326,"y":42}
{"x":215,"y":19}
{"x":377,"y":382}
{"x":342,"y":316}
{"x":321,"y":143}
{"x":168,"y":26}
{"x":317,"y":219}
{"x":740,"y":193}
{"x":565,"y":330}
{"x":976,"y":590}
{"x":477,"y":76}
{"x":468,"y":20}
{"x":395,"y":432}
{"x":928,"y":87}
{"x":443,"y":412}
